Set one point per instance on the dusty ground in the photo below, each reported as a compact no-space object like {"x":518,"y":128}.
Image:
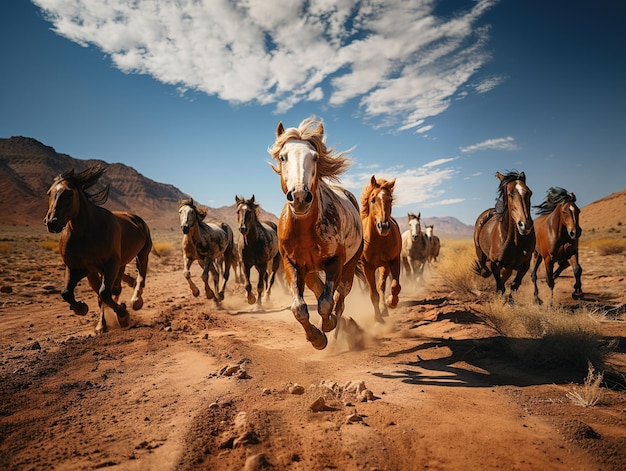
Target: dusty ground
{"x":189,"y":386}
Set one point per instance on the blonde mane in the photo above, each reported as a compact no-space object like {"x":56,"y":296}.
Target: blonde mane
{"x":329,"y":164}
{"x":201,"y":213}
{"x":367,"y":191}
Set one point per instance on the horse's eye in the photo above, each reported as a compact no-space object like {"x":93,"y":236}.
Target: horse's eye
{"x":373,"y":200}
{"x":282,"y":157}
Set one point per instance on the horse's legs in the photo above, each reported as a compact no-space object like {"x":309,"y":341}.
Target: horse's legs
{"x":246,"y":271}
{"x":392,"y":301}
{"x":326,"y":302}
{"x":519,"y":276}
{"x":109,"y":279}
{"x":187,"y":261}
{"x":272,"y":276}
{"x":260,"y":286}
{"x":208,"y":265}
{"x":141,"y":262}
{"x":381,"y":286}
{"x":295,"y":281}
{"x":578,"y":271}
{"x":95,"y":281}
{"x":72,"y":277}
{"x":227,"y":263}
{"x":533,"y":277}
{"x":370,"y":276}
{"x":495,"y":269}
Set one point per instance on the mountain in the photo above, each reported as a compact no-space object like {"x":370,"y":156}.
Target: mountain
{"x":605,"y":216}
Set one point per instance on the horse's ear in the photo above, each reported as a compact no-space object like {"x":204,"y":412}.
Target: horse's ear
{"x":522,"y":176}
{"x":419,"y":215}
{"x":410,"y":215}
{"x":500,"y":176}
{"x":252,"y":199}
{"x":373,"y":180}
{"x":280,"y":129}
{"x":320,"y":129}
{"x":238,"y":199}
{"x":573,"y":197}
{"x":392,"y":183}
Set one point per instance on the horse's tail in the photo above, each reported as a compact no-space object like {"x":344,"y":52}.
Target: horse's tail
{"x":229,"y":253}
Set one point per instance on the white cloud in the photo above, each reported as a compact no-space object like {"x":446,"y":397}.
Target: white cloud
{"x":400,"y":62}
{"x":502,"y":143}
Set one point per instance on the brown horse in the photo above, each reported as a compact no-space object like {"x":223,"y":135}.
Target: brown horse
{"x":434,"y":243}
{"x":382,"y":244}
{"x":259,"y":248}
{"x":208,"y":243}
{"x":415,"y":248}
{"x":504,"y":236}
{"x":97,"y":243}
{"x":319,"y":229}
{"x":558,"y":232}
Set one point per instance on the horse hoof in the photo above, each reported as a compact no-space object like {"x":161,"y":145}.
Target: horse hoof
{"x":137,"y":304}
{"x":124,"y":321}
{"x":251,"y":298}
{"x":392,"y":302}
{"x":319,"y":340}
{"x":329,"y":323}
{"x":80,"y":308}
{"x":379,"y":319}
{"x":577,"y":295}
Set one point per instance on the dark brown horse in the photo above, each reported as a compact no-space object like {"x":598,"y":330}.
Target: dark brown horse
{"x":382,"y":244}
{"x":319,"y":229}
{"x":209,"y":244}
{"x":558,"y":232}
{"x":504,"y":236}
{"x":259,"y":248}
{"x":97,"y":243}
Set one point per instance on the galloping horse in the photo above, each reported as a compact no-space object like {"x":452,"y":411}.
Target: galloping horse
{"x":504,"y":236}
{"x":434,"y":243}
{"x":382,"y":244}
{"x":205,"y":243}
{"x":319,"y":229}
{"x":414,"y":248}
{"x":259,"y":248}
{"x":558,"y":232}
{"x":97,"y":243}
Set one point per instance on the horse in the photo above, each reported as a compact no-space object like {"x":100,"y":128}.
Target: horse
{"x":206,"y":243}
{"x":415,"y":248}
{"x":319,"y":229}
{"x":434,"y":243}
{"x":97,"y":243}
{"x":259,"y":248}
{"x":382,"y":244}
{"x":557,"y":231}
{"x":504,"y":236}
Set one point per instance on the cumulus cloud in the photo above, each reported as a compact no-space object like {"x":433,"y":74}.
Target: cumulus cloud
{"x":502,"y":143}
{"x":398,"y":60}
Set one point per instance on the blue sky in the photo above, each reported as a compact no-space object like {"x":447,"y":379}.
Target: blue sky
{"x":437,"y":94}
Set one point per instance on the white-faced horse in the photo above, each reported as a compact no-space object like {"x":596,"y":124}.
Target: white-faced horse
{"x":414,"y":249}
{"x":319,"y":229}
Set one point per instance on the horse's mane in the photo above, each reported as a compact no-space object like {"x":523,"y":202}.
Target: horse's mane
{"x":85,"y":180}
{"x":501,"y":201}
{"x":367,"y":191}
{"x":554,"y":196}
{"x":329,"y":164}
{"x":200,"y":212}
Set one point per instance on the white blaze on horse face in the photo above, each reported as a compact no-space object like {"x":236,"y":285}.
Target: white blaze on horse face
{"x":298,"y":170}
{"x":429,"y":231}
{"x":415,"y":228}
{"x":186,"y":213}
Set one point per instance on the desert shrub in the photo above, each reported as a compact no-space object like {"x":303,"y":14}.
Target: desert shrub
{"x":606,"y":246}
{"x":455,"y":269}
{"x":5,"y":247}
{"x":164,"y":249}
{"x":548,"y":336}
{"x":49,"y":244}
{"x":590,"y":392}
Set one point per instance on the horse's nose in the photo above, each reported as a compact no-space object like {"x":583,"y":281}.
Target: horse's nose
{"x":300,"y":198}
{"x":383,"y":226}
{"x":243,"y":229}
{"x":52,"y":224}
{"x":185,"y":229}
{"x":524,"y":228}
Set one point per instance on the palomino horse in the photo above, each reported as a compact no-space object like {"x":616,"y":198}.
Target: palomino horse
{"x":504,"y":236}
{"x":97,"y":243}
{"x":414,"y":249}
{"x":434,"y":243}
{"x":259,"y":248}
{"x":382,"y":244}
{"x":206,"y":243}
{"x":319,"y":229}
{"x":557,"y":232}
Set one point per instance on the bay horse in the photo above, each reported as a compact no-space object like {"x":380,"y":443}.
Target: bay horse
{"x":320,"y":228}
{"x":207,"y":243}
{"x":382,"y":244}
{"x":558,"y":231}
{"x":414,"y":254}
{"x":434,"y":243}
{"x":97,"y":243}
{"x":504,"y":236}
{"x":259,"y":248}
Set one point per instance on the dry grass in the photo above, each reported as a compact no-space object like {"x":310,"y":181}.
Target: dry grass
{"x":590,"y":393}
{"x":548,"y":336}
{"x":5,"y":247}
{"x":606,"y":246}
{"x":49,"y":244}
{"x":164,"y":249}
{"x":456,"y":272}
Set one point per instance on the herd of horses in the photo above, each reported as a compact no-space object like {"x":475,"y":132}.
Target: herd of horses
{"x":324,"y":238}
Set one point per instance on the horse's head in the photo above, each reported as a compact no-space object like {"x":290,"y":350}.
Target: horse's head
{"x":66,"y":192}
{"x":570,"y":214}
{"x":189,"y":215}
{"x":415,"y":225}
{"x":376,"y":202}
{"x":429,"y":230}
{"x":515,"y":196}
{"x":246,"y":213}
{"x":302,"y":159}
